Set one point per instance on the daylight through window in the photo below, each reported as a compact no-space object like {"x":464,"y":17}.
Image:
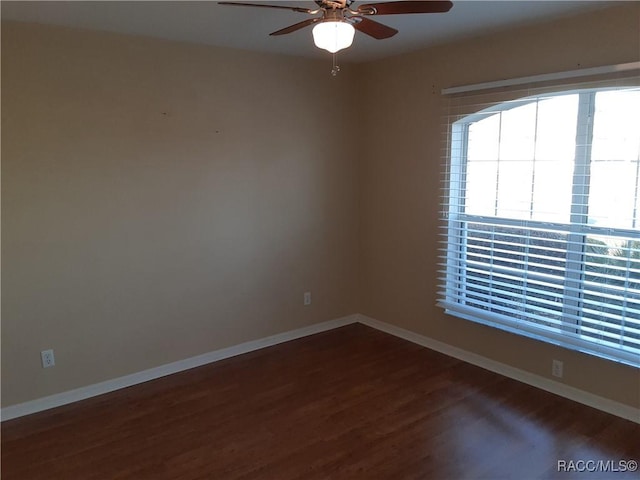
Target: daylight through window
{"x":543,"y":220}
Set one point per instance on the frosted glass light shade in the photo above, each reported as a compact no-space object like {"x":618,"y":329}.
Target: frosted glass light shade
{"x":333,"y":35}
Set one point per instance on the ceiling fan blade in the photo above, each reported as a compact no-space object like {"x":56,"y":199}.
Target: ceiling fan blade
{"x":262,"y":5}
{"x":297,"y":26}
{"x":394,"y":8}
{"x":373,"y":29}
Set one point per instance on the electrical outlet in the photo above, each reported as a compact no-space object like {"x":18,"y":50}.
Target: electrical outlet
{"x":307,"y":298}
{"x":48,"y":360}
{"x":556,"y":368}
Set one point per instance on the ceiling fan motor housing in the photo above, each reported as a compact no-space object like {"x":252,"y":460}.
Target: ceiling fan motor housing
{"x":334,"y":4}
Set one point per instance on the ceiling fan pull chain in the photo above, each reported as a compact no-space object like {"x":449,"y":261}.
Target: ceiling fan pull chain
{"x":336,"y":68}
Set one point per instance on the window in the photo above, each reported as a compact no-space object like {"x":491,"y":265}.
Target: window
{"x":543,"y":220}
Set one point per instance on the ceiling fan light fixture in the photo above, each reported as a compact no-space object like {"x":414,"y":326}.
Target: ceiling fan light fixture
{"x":333,"y":35}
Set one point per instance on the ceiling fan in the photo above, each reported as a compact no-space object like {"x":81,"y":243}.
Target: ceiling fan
{"x":336,"y":26}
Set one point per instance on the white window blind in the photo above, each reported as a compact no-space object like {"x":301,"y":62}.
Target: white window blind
{"x":541,"y":214}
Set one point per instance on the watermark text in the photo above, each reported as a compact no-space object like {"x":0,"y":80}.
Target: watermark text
{"x":597,"y":465}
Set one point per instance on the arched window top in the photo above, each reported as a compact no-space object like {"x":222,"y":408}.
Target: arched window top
{"x":520,"y":156}
{"x":523,"y":101}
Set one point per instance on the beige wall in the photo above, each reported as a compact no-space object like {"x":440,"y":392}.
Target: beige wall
{"x":161,"y":200}
{"x":400,"y":181}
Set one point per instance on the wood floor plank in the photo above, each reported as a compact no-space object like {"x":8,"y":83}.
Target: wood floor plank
{"x":351,"y":403}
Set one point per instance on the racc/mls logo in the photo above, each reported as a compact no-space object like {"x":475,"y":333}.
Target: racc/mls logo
{"x":597,"y":465}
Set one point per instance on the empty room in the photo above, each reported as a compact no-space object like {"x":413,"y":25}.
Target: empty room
{"x":320,"y":240}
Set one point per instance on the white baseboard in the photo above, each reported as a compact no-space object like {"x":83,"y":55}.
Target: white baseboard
{"x":59,"y":399}
{"x":606,"y":405}
{"x":580,"y":396}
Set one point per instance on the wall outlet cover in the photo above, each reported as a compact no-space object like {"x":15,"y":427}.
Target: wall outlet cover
{"x":48,"y":360}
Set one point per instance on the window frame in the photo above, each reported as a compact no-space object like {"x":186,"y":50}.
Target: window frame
{"x":578,"y":229}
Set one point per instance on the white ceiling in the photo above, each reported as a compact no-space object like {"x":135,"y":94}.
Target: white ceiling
{"x":206,"y":22}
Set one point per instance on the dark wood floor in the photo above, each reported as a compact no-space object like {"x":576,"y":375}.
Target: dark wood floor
{"x":352,"y":403}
